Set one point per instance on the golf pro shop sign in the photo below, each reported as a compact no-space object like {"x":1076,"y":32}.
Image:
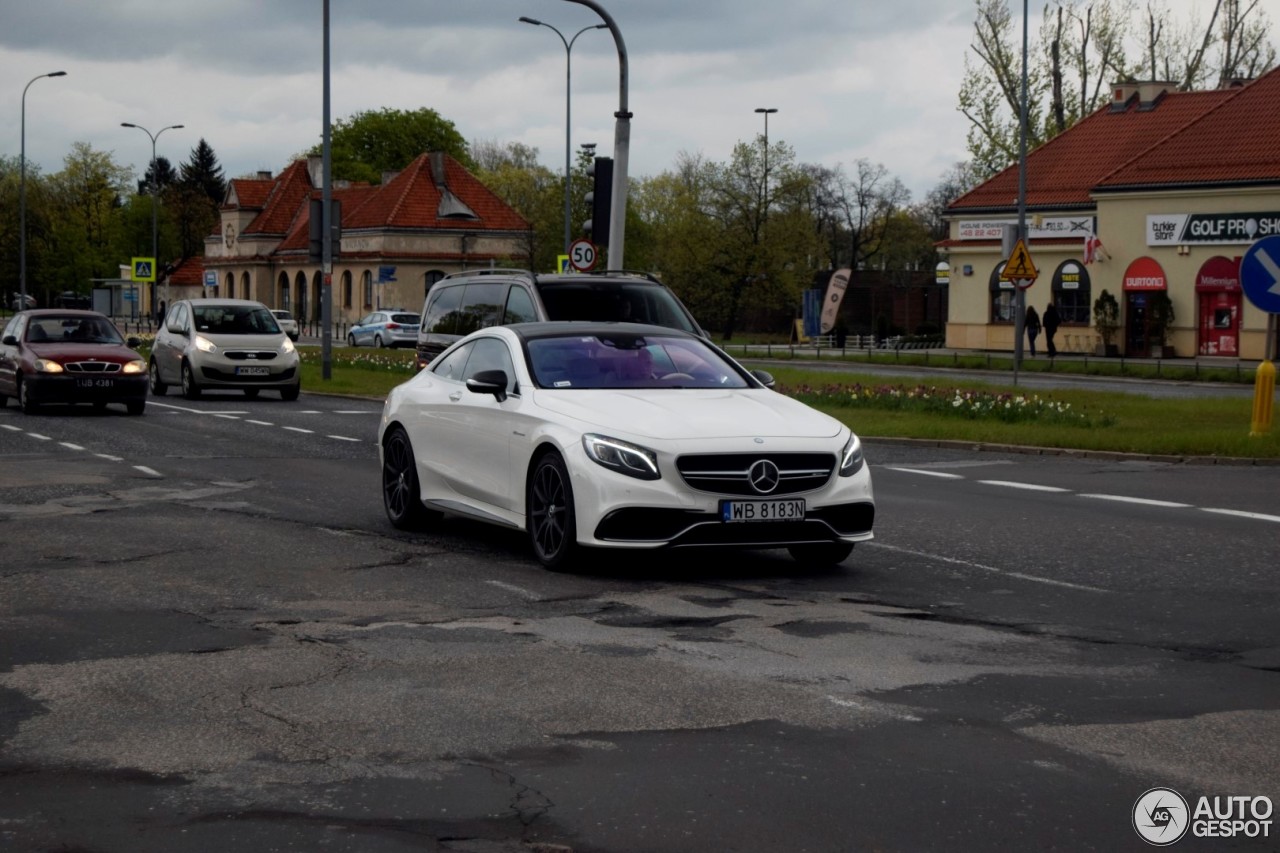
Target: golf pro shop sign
{"x":1223,"y":229}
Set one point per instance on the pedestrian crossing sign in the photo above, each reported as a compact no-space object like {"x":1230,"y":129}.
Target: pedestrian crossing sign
{"x":1020,"y":269}
{"x":144,"y":269}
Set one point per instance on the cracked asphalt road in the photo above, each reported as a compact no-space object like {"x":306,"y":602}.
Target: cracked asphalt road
{"x":239,"y":653}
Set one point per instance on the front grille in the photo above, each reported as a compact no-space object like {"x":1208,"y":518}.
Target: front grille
{"x":682,"y":527}
{"x":730,"y":473}
{"x":92,"y":367}
{"x":251,"y":355}
{"x":230,"y":376}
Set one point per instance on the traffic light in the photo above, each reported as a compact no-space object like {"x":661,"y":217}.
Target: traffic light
{"x":599,"y":199}
{"x":315,"y":230}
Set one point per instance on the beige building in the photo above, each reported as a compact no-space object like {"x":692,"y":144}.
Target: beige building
{"x":418,"y":225}
{"x":1175,"y":185}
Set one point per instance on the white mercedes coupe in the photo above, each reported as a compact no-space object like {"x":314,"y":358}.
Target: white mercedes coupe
{"x":615,"y":435}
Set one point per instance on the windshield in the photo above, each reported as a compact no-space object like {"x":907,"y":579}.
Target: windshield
{"x":235,"y":320}
{"x":282,"y":315}
{"x":614,"y":302}
{"x":73,"y":329}
{"x":629,"y":361}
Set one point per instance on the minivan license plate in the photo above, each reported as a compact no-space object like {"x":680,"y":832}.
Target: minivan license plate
{"x":775,"y":510}
{"x":252,"y":371}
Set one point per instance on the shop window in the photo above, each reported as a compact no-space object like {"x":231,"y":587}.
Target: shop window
{"x":1072,"y":293}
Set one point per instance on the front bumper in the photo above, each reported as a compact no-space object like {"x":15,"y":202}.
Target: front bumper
{"x":64,"y":388}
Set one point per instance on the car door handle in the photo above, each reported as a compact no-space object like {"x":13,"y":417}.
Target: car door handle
{"x":455,"y":396}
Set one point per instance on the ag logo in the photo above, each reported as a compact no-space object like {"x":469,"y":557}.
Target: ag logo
{"x":1161,"y":817}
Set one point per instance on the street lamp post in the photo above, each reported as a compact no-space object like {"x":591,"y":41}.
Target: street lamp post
{"x":766,"y":111}
{"x":568,"y":51}
{"x":155,"y":259}
{"x":22,"y":191}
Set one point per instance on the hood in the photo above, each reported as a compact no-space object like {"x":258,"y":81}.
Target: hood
{"x":688,"y":413}
{"x":66,"y":353}
{"x":260,"y":342}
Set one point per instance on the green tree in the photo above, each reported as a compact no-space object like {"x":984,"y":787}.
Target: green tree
{"x":536,"y":193}
{"x":191,"y":204}
{"x":372,"y":143}
{"x":202,"y":171}
{"x":88,"y":238}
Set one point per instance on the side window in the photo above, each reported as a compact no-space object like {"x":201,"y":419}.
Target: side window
{"x":450,"y":367}
{"x":519,"y":307}
{"x":481,"y":306}
{"x":11,"y":328}
{"x":179,"y":317}
{"x":442,"y":310}
{"x":491,"y":354}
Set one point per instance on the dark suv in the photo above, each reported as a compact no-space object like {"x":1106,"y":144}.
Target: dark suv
{"x":459,"y":304}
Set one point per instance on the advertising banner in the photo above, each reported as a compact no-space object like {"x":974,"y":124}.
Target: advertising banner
{"x":831,"y":302}
{"x":1224,"y":229}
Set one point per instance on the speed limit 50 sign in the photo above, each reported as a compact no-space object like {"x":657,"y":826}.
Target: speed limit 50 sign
{"x":582,"y":255}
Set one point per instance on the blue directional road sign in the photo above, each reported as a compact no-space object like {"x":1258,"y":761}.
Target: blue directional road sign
{"x":1260,"y":274}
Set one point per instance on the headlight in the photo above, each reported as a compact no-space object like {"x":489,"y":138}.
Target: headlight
{"x":135,"y":367}
{"x":44,"y":365}
{"x":620,"y":456}
{"x":287,"y":346}
{"x":205,"y":345}
{"x":851,"y":457}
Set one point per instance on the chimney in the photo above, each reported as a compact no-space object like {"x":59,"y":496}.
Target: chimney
{"x":1148,"y":94}
{"x":264,"y":175}
{"x":315,"y":170}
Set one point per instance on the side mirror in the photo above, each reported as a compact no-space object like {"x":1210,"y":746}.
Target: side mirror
{"x":489,"y":382}
{"x":133,"y":342}
{"x":10,"y":340}
{"x":764,"y":378}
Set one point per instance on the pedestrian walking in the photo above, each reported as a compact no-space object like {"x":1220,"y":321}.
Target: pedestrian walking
{"x":1051,"y":323}
{"x":1032,"y":325}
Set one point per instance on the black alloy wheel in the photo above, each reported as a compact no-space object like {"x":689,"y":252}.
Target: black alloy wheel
{"x":401,"y":496}
{"x":158,"y":388}
{"x":550,"y":515}
{"x":821,"y":553}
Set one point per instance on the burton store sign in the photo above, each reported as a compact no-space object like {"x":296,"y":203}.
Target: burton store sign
{"x":1177,"y":229}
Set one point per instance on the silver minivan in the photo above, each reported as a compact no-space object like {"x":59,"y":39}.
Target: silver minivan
{"x":235,"y":344}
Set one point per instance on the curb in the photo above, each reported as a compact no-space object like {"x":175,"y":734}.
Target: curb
{"x":1112,"y":455}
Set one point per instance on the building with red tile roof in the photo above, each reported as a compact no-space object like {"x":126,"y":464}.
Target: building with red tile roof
{"x":1168,"y":183}
{"x":397,"y":238}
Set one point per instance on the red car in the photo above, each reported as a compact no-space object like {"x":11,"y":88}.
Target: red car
{"x":54,"y":355}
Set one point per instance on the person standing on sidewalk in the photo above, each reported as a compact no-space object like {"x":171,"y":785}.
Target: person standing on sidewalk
{"x":1032,"y":325}
{"x":1051,"y":323}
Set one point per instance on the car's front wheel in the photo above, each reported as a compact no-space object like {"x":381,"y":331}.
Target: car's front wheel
{"x":821,"y":553}
{"x":190,"y":389}
{"x":401,"y":496}
{"x":290,"y":392}
{"x":25,"y":401}
{"x":550,"y":514}
{"x":158,"y":388}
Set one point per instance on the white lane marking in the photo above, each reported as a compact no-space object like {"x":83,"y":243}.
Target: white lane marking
{"x":11,"y":427}
{"x":357,"y":412}
{"x":109,"y":457}
{"x":39,"y":436}
{"x":198,"y":411}
{"x":993,"y":569}
{"x":1256,"y":516}
{"x":1031,"y":487}
{"x":300,"y":429}
{"x":344,"y":438}
{"x":151,"y":472}
{"x":310,"y":412}
{"x":228,"y":417}
{"x":259,"y":423}
{"x":518,"y":590}
{"x":70,"y":446}
{"x":1143,"y":501}
{"x":941,"y":474}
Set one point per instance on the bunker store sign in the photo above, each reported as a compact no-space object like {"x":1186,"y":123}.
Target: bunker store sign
{"x":1223,"y":229}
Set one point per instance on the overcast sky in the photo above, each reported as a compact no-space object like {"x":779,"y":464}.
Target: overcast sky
{"x":852,"y":79}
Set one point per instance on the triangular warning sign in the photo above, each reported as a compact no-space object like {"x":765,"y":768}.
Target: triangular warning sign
{"x":1020,"y":267}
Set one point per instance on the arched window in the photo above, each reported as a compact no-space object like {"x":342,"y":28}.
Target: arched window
{"x":282,"y":295}
{"x":317,"y":284}
{"x":1002,"y":295}
{"x":366,"y":288}
{"x":231,"y":285}
{"x":1071,"y":293}
{"x":300,"y":286}
{"x":346,"y":288}
{"x":245,"y":292}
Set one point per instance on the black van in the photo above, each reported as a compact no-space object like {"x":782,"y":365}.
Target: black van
{"x":459,"y":304}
